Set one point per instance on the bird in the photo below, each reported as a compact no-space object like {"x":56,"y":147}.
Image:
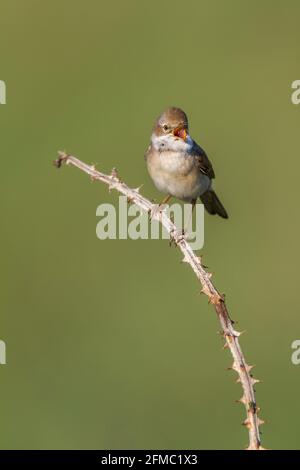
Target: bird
{"x":178,"y":166}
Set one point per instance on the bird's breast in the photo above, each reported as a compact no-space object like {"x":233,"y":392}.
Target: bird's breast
{"x":175,"y":163}
{"x":177,"y":174}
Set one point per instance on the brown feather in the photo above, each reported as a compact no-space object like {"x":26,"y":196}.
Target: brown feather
{"x":213,"y":204}
{"x":202,"y":161}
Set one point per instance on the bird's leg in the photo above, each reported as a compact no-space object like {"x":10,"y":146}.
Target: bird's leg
{"x":165,"y":200}
{"x":181,"y":235}
{"x":193,"y":202}
{"x":159,"y":207}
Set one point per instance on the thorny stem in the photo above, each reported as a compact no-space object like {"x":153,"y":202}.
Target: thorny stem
{"x":252,"y":421}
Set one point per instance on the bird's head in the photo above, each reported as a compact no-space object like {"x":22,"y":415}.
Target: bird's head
{"x":173,"y":122}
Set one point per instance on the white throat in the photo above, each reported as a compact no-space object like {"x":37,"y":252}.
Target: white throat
{"x":171,"y":143}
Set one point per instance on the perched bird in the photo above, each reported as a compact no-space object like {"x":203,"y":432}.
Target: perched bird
{"x":178,"y":166}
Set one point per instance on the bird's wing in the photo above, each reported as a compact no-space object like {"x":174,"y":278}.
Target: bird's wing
{"x":202,"y":161}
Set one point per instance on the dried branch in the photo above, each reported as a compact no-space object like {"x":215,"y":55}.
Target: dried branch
{"x":252,"y":421}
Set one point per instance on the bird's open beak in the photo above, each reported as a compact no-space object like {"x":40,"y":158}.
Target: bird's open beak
{"x":180,"y":132}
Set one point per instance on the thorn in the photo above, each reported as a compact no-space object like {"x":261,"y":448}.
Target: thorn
{"x":228,"y":337}
{"x":247,"y":423}
{"x":138,"y":188}
{"x":260,"y":421}
{"x":242,"y":400}
{"x":62,"y":157}
{"x":217,"y":299}
{"x":205,"y":290}
{"x":225,"y":346}
{"x":114,"y":173}
{"x":91,"y":176}
{"x":180,"y":237}
{"x":236,"y":333}
{"x":201,"y":260}
{"x":249,"y":368}
{"x":214,"y":299}
{"x":172,"y":240}
{"x":255,"y":381}
{"x":185,"y":260}
{"x":252,"y":407}
{"x":62,"y":154}
{"x":155,"y":211}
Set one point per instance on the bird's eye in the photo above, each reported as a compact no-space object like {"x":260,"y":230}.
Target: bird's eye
{"x":165,"y":127}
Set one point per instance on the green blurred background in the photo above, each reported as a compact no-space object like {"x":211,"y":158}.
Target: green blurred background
{"x":109,"y":344}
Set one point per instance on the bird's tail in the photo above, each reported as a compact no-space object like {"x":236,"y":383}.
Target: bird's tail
{"x":213,"y":204}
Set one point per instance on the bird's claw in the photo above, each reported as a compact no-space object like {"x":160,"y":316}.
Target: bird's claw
{"x":155,"y":210}
{"x":181,"y":236}
{"x":177,"y":237}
